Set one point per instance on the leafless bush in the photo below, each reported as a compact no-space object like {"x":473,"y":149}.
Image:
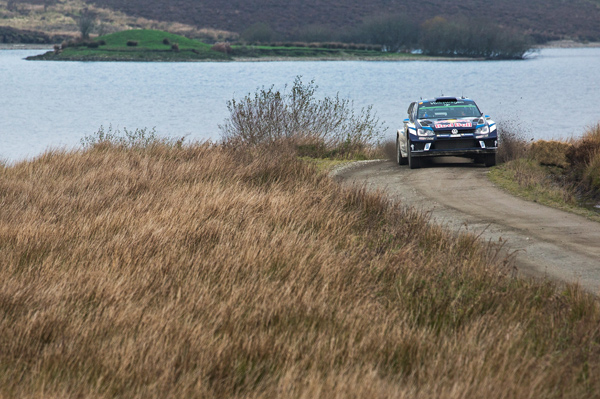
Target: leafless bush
{"x":86,"y":22}
{"x":269,"y":116}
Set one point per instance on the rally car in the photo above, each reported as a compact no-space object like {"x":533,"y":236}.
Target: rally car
{"x":446,"y":126}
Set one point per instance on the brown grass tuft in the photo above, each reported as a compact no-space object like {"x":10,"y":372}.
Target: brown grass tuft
{"x":552,"y":153}
{"x":202,"y":271}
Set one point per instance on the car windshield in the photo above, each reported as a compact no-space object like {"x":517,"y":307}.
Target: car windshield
{"x":449,"y":110}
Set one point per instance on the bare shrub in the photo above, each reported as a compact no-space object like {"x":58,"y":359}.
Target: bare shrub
{"x":552,"y":153}
{"x":222,"y":47}
{"x":175,"y":47}
{"x":269,"y":116}
{"x":128,"y":139}
{"x":86,"y":22}
{"x":166,"y":41}
{"x":132,"y":43}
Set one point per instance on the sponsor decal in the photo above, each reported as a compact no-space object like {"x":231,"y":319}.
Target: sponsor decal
{"x":449,"y":124}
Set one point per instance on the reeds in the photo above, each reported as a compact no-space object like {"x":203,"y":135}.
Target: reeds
{"x":204,"y":271}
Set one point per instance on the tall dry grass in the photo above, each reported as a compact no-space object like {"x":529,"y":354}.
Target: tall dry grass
{"x":201,"y":271}
{"x":584,"y":157}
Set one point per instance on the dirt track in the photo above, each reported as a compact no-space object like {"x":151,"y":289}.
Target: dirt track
{"x":548,"y":242}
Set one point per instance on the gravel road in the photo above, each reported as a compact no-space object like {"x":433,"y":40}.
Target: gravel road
{"x":457,"y":193}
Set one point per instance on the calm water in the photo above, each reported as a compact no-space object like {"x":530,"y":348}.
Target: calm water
{"x":55,"y":104}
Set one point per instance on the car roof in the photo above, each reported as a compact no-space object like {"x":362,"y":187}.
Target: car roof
{"x":445,"y":99}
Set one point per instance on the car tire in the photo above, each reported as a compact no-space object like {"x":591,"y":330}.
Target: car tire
{"x":413,"y":162}
{"x":489,"y":160}
{"x":399,"y":158}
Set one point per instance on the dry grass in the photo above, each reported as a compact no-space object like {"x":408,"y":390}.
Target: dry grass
{"x":199,"y":271}
{"x":584,"y":157}
{"x":551,"y":153}
{"x":562,"y":174}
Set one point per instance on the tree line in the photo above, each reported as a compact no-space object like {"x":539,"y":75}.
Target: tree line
{"x":443,"y":36}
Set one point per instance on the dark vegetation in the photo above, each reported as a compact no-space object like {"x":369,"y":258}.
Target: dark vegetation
{"x":394,"y":33}
{"x":314,"y":20}
{"x":11,"y":35}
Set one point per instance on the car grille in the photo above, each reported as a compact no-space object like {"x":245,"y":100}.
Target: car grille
{"x":456,"y":144}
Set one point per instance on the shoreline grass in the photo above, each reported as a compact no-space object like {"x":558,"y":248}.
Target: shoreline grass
{"x":168,"y":270}
{"x":560,"y":174}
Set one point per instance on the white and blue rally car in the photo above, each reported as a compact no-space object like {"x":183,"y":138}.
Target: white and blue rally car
{"x":446,"y":126}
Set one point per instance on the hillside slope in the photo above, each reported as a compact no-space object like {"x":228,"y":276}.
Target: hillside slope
{"x":543,"y":18}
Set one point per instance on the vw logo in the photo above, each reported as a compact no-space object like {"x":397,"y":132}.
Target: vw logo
{"x":454,"y":131}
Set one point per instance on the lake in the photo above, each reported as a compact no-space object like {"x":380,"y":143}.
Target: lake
{"x":54,"y":104}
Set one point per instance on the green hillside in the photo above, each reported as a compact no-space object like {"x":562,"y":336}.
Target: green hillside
{"x":135,"y":45}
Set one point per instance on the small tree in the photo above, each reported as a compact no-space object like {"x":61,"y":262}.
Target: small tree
{"x":86,"y":22}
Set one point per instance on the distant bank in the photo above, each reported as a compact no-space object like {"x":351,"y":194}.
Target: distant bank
{"x":154,"y":45}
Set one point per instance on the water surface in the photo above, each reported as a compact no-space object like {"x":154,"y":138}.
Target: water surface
{"x":54,"y":104}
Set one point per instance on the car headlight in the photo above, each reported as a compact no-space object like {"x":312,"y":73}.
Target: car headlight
{"x":424,"y":132}
{"x":483,"y":130}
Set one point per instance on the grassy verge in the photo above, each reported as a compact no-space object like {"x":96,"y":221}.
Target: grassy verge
{"x":563,"y":175}
{"x":168,"y":270}
{"x":528,"y":179}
